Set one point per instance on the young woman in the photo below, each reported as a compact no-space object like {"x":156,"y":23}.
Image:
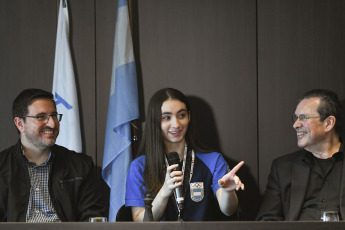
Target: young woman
{"x":205,"y":178}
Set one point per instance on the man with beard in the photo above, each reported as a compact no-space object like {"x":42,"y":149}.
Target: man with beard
{"x":306,"y":182}
{"x":41,"y":181}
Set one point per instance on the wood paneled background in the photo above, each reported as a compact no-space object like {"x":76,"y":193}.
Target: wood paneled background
{"x":243,"y":64}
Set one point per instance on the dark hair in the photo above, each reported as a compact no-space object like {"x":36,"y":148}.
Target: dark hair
{"x":329,"y":106}
{"x":152,"y":145}
{"x":24,"y":99}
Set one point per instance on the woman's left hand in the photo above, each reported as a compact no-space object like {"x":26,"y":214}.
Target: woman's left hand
{"x":230,"y":181}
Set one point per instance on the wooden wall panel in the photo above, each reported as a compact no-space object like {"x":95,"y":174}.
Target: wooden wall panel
{"x":27,"y":58}
{"x":27,"y":46}
{"x":207,"y":49}
{"x":300,"y":47}
{"x":105,"y":31}
{"x":82,"y":21}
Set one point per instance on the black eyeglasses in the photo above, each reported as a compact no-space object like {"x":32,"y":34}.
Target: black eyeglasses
{"x":301,"y":118}
{"x":44,"y":118}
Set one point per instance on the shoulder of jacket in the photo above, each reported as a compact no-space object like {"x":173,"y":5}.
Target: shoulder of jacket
{"x":294,"y":156}
{"x":61,"y":153}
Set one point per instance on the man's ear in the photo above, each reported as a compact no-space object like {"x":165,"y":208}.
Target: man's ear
{"x":19,"y":122}
{"x":330,"y":123}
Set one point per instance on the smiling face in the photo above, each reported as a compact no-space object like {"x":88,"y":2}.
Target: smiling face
{"x":174,"y":122}
{"x":311,"y":133}
{"x":35,"y":134}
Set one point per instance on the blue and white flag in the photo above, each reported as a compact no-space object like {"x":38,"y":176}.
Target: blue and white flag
{"x":122,"y":108}
{"x":64,"y":88}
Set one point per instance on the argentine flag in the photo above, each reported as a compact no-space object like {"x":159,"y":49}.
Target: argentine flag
{"x":122,"y":109}
{"x":64,"y":88}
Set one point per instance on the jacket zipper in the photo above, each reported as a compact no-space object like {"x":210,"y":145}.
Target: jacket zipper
{"x":70,"y":180}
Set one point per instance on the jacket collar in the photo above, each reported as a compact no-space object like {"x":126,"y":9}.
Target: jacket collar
{"x":19,"y":153}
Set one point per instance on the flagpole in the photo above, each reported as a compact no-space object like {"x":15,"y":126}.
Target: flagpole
{"x":135,"y":123}
{"x":130,"y":14}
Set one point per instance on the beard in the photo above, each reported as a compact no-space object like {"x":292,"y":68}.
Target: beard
{"x":39,"y":141}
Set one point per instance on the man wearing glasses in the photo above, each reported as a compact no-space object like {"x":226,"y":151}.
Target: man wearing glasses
{"x":41,"y":181}
{"x":303,"y":184}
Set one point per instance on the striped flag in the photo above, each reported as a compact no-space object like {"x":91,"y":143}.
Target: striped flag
{"x":64,"y":88}
{"x":122,"y":108}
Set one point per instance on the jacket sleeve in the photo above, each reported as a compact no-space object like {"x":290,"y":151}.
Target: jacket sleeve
{"x":271,"y":206}
{"x":91,"y":202}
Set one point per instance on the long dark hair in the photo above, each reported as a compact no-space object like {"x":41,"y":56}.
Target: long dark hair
{"x":152,"y":145}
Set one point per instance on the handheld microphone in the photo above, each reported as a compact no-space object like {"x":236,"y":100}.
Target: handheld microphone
{"x":173,"y":158}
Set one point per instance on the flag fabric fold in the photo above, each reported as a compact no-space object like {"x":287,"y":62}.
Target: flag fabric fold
{"x":122,"y":109}
{"x":64,"y":87}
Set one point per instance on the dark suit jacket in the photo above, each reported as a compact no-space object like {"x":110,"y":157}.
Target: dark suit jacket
{"x":287,"y":186}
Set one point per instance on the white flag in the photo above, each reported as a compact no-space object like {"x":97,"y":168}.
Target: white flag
{"x":64,"y":88}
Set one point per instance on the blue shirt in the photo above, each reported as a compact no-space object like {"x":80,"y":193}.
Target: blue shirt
{"x":199,"y":199}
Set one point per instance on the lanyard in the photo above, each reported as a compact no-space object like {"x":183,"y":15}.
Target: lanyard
{"x":183,"y":170}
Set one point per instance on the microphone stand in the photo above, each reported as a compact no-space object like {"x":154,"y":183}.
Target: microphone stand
{"x":148,"y":217}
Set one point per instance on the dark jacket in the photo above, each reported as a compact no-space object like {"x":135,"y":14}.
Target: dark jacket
{"x":287,"y":186}
{"x":73,"y":187}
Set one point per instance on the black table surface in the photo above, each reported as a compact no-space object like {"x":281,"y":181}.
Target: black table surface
{"x":233,"y":225}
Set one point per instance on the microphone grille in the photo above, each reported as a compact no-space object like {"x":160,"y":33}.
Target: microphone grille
{"x":173,"y":158}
